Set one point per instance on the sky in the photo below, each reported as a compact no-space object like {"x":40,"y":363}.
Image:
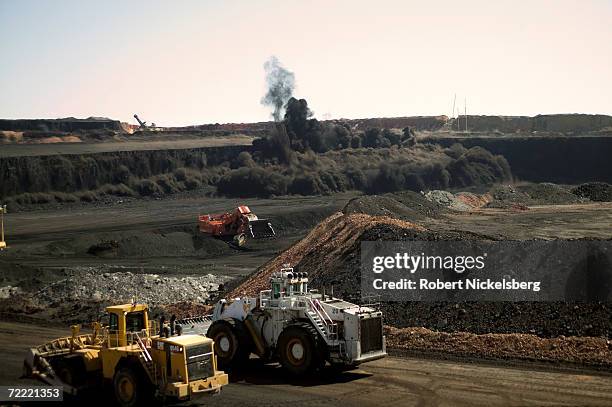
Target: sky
{"x":193,"y":62}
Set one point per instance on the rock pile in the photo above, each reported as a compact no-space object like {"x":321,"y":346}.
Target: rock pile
{"x":88,"y":284}
{"x":447,"y":199}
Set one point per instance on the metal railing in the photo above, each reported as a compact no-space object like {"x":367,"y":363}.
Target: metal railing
{"x":265,"y":297}
{"x":114,"y":337}
{"x":143,"y":349}
{"x":370,"y":301}
{"x":331,"y":331}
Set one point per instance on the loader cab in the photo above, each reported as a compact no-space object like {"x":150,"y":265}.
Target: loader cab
{"x":285,"y":284}
{"x":125,"y":320}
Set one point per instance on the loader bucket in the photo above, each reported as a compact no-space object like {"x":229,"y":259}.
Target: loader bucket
{"x":261,"y":228}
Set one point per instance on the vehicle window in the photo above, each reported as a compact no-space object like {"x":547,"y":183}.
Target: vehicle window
{"x":134,"y":321}
{"x":113,"y":323}
{"x":275,"y":290}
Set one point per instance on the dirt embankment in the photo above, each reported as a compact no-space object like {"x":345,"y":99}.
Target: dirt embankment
{"x":430,"y":123}
{"x":330,"y":253}
{"x":544,"y":123}
{"x":560,"y":123}
{"x":122,"y":172}
{"x":590,"y":351}
{"x":68,"y":130}
{"x":233,"y":171}
{"x":61,"y":125}
{"x":335,"y":235}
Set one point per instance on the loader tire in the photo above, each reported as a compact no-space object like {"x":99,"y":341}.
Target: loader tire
{"x":232,"y":343}
{"x":131,"y":387}
{"x":299,"y":349}
{"x":70,"y":370}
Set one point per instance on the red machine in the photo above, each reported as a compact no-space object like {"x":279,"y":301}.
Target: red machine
{"x":236,"y":225}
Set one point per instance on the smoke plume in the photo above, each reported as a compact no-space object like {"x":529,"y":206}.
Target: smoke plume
{"x":280,"y":83}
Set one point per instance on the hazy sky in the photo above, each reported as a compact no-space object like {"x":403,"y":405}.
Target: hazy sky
{"x":188,"y":62}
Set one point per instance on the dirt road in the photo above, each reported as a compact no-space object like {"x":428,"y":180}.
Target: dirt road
{"x":589,"y":220}
{"x":392,"y":381}
{"x":419,"y":382}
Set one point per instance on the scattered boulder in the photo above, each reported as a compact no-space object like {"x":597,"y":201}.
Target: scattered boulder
{"x":447,"y":199}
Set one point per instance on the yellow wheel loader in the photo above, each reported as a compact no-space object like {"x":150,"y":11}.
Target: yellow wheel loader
{"x":138,"y":359}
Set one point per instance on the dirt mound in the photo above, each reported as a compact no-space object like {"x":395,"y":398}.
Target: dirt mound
{"x":65,"y":124}
{"x":507,"y":194}
{"x":595,"y":191}
{"x":474,"y":200}
{"x":406,"y":205}
{"x":330,"y":253}
{"x":7,"y":136}
{"x":582,"y":350}
{"x":87,"y":283}
{"x":447,"y":199}
{"x":334,"y":237}
{"x":84,"y":292}
{"x":547,"y":193}
{"x":340,"y":267}
{"x":461,"y":201}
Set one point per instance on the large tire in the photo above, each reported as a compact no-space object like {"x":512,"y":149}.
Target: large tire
{"x":70,"y":369}
{"x":131,"y":387}
{"x":299,"y":349}
{"x":232,"y":343}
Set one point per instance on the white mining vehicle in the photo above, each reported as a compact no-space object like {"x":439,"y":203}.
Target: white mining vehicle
{"x":299,"y":327}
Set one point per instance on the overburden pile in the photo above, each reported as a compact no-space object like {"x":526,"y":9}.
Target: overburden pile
{"x":330,"y":254}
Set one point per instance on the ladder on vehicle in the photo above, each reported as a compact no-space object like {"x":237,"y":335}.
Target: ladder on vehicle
{"x":322,"y":321}
{"x":145,"y":355}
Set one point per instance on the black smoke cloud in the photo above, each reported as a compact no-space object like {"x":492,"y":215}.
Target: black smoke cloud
{"x":281,"y":83}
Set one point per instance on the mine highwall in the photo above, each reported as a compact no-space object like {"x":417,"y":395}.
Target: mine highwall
{"x":557,"y":159}
{"x":70,"y":173}
{"x":569,"y":160}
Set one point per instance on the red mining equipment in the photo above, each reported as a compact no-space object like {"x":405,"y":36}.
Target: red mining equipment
{"x":237,"y":225}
